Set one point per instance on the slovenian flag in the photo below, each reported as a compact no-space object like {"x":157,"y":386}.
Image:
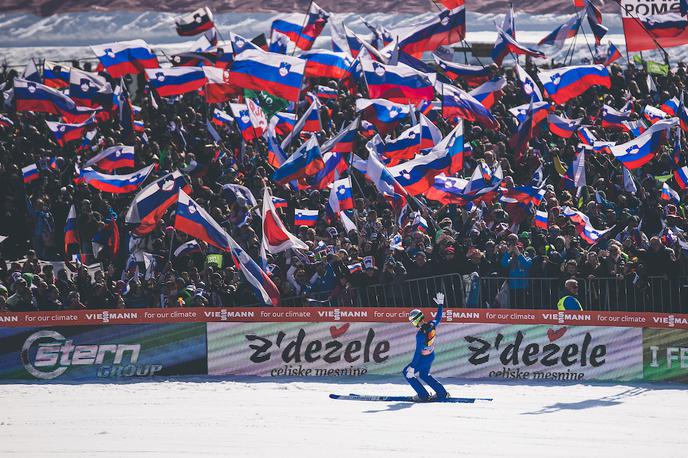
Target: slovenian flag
{"x":169,"y":82}
{"x":70,"y":234}
{"x":116,"y":184}
{"x":125,"y":57}
{"x":653,"y":114}
{"x":514,"y":47}
{"x":150,"y":204}
{"x":670,"y":107}
{"x":324,"y":92}
{"x":276,"y":74}
{"x":540,"y":112}
{"x":187,"y":248}
{"x":530,"y":88}
{"x":89,"y":90}
{"x":681,"y":177}
{"x":615,"y":119}
{"x":31,"y":96}
{"x":565,"y":83}
{"x":303,"y":31}
{"x":192,"y":219}
{"x":279,"y":202}
{"x":453,"y":144}
{"x":669,"y":194}
{"x":305,"y":217}
{"x":583,"y":225}
{"x":56,"y":75}
{"x":641,"y":150}
{"x":471,"y":74}
{"x":613,"y":54}
{"x":327,"y":64}
{"x":488,"y":93}
{"x":383,"y":114}
{"x":195,"y":22}
{"x":500,"y":49}
{"x":541,"y":219}
{"x":30,"y":173}
{"x":243,"y":121}
{"x":397,"y":83}
{"x":343,"y":195}
{"x":459,"y":104}
{"x":418,"y":175}
{"x":221,"y":118}
{"x":305,"y":161}
{"x":114,"y":157}
{"x":563,"y":127}
{"x":446,"y":28}
{"x":65,"y":133}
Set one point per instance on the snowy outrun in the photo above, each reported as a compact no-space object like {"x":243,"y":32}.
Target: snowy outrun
{"x":287,"y":417}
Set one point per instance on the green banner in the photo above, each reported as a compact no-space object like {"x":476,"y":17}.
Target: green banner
{"x":665,"y":355}
{"x":214,"y":259}
{"x":663,"y":178}
{"x":268,"y":102}
{"x":655,"y":68}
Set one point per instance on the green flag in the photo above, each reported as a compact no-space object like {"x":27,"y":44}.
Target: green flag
{"x":269,"y":103}
{"x":214,"y":259}
{"x":663,"y":178}
{"x":655,"y":68}
{"x":638,"y":59}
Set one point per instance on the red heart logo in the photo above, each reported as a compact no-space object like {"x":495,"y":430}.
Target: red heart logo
{"x":553,"y":335}
{"x":339,"y":331}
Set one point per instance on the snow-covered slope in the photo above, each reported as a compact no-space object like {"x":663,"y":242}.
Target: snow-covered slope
{"x":273,"y":417}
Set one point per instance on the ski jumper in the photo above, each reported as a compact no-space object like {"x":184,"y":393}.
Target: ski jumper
{"x":423,"y":358}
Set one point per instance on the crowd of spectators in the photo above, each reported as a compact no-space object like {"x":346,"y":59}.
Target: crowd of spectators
{"x":476,"y":242}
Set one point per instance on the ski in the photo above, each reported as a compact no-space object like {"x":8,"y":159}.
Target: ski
{"x":363,"y":397}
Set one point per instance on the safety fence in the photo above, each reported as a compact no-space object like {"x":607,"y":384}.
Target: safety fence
{"x":652,"y":294}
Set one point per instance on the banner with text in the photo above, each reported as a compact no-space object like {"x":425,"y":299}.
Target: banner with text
{"x":92,"y":352}
{"x":665,"y":355}
{"x":563,"y":353}
{"x":645,"y":26}
{"x":348,"y":314}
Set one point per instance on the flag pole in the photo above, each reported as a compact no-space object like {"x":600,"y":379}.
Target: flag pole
{"x":303,"y":26}
{"x":633,"y":16}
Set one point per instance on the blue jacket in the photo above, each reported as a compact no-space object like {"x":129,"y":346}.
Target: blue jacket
{"x":425,"y":338}
{"x":517,"y":270}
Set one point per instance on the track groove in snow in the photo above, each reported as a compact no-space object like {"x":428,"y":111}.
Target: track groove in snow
{"x":263,"y":417}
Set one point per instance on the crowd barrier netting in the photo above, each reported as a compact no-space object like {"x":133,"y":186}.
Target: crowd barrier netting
{"x":341,"y":342}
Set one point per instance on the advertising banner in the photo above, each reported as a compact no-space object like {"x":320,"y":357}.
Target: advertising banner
{"x":92,"y":352}
{"x":665,"y":355}
{"x":346,"y":349}
{"x":340,"y":314}
{"x":641,"y":37}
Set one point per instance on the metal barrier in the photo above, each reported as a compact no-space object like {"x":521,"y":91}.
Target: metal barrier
{"x":656,"y":294}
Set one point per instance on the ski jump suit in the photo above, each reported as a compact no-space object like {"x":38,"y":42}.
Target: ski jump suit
{"x":423,"y":358}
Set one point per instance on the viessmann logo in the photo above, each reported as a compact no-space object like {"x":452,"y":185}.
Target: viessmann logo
{"x":54,"y":354}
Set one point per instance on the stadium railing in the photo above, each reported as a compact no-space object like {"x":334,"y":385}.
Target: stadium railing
{"x":630,"y":294}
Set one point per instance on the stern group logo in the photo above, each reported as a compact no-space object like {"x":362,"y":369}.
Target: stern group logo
{"x":55,"y":354}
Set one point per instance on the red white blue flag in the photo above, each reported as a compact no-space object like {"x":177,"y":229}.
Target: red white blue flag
{"x":169,"y":82}
{"x":196,"y":22}
{"x":125,"y":57}
{"x":116,"y":184}
{"x":274,"y":73}
{"x":565,"y":83}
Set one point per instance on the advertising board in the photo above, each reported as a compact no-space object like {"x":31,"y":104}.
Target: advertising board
{"x":92,"y":352}
{"x":564,"y":353}
{"x":665,"y":355}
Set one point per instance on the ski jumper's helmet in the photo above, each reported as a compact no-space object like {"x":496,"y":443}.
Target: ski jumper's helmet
{"x":416,"y":316}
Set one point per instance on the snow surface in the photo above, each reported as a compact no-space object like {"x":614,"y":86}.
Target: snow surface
{"x":275,"y":418}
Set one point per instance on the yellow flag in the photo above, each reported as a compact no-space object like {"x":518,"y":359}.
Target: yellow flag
{"x":558,"y":166}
